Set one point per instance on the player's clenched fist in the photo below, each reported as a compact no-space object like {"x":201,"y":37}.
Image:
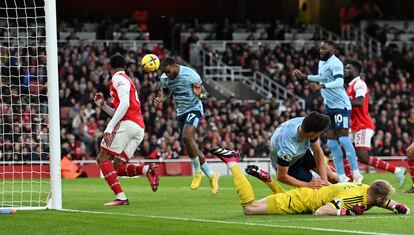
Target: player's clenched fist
{"x":298,"y":74}
{"x":158,"y":103}
{"x":98,"y":99}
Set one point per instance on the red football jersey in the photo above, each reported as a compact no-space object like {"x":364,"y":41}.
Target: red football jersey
{"x":360,"y":118}
{"x":134,"y":110}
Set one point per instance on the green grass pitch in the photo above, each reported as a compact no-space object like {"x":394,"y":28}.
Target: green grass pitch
{"x":175,"y":209}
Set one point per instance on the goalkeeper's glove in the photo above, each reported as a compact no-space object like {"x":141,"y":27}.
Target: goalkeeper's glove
{"x":356,"y":210}
{"x":401,"y":209}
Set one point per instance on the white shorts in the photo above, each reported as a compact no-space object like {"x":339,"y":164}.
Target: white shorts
{"x":362,"y":138}
{"x":126,"y":137}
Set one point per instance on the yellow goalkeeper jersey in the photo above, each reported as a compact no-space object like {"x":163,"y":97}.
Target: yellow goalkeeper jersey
{"x":307,"y":200}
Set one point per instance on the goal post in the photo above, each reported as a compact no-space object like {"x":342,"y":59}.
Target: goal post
{"x":53,"y":97}
{"x":30,"y":170}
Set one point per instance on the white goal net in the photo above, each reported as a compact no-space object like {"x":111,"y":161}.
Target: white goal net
{"x":25,"y":110}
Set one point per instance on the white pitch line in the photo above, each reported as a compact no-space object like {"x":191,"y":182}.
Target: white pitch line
{"x":334,"y":218}
{"x":228,"y":222}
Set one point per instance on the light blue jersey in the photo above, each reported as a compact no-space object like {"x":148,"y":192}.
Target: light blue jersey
{"x":329,"y":71}
{"x":285,"y":143}
{"x":181,"y":89}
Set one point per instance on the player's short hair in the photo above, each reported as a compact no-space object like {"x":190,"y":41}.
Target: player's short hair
{"x":168,"y":61}
{"x":117,"y":61}
{"x":315,"y":122}
{"x":381,"y":188}
{"x":329,"y":42}
{"x":356,"y":65}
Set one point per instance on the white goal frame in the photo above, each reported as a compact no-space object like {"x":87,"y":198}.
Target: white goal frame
{"x":54,"y":196}
{"x":53,"y":102}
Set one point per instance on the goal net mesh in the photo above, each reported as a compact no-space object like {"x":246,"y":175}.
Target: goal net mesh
{"x":24,"y":137}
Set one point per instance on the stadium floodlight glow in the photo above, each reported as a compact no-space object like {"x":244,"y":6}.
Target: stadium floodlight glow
{"x":30,"y":174}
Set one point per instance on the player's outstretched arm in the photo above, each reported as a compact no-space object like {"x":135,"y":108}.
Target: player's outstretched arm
{"x":396,"y":207}
{"x":301,"y":76}
{"x":331,"y":209}
{"x":100,"y":102}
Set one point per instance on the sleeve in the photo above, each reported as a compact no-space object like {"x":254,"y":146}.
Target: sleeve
{"x":314,"y":78}
{"x":338,"y":82}
{"x":360,"y":89}
{"x":337,"y":69}
{"x":163,"y":80}
{"x":282,"y":162}
{"x":122,"y":87}
{"x":195,"y":78}
{"x":336,"y":203}
{"x":283,"y":156}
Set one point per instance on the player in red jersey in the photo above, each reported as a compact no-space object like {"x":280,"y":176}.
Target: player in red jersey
{"x":123,"y":134}
{"x":410,"y":158}
{"x":362,"y":127}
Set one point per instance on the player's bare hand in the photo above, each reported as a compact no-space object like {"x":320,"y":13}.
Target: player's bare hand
{"x":158,"y":103}
{"x":317,"y":183}
{"x":107,"y":138}
{"x":98,"y":99}
{"x":298,"y":74}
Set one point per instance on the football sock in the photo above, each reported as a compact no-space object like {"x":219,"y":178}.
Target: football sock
{"x":337,"y":157}
{"x":145,"y":169}
{"x":411,"y":169}
{"x":110,"y":176}
{"x":129,"y":170}
{"x":347,"y":169}
{"x":350,"y":152}
{"x":380,"y":164}
{"x":121,"y":196}
{"x":195,"y":163}
{"x":275,"y":187}
{"x":242,"y":185}
{"x":205,"y":167}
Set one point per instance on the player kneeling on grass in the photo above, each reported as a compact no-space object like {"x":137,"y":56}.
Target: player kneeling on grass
{"x":123,"y":134}
{"x":296,"y":154}
{"x":336,"y":199}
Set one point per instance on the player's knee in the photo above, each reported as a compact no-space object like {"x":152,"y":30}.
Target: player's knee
{"x":332,"y":144}
{"x":187,"y":139}
{"x":102,"y":157}
{"x":362,"y":156}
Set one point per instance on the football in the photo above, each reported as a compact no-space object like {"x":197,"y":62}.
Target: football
{"x":150,"y":63}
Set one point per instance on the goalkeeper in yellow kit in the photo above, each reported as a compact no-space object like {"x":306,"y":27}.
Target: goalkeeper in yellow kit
{"x":335,"y":199}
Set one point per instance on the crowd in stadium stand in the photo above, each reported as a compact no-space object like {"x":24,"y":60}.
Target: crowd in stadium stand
{"x":391,"y":93}
{"x":234,"y":124}
{"x":83,"y":72}
{"x":23,"y":105}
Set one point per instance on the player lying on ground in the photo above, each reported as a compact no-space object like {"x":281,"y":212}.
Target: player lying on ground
{"x":362,"y":126}
{"x":185,"y":86}
{"x":330,"y":80}
{"x":335,"y":199}
{"x":295,"y":152}
{"x":123,"y":134}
